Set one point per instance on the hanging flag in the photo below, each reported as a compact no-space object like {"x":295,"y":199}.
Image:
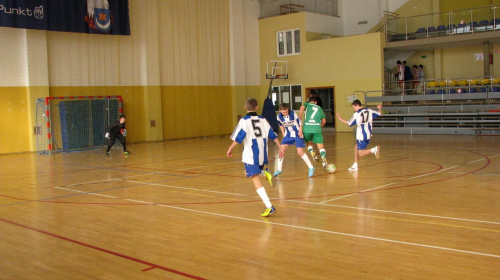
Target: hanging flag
{"x":82,"y":16}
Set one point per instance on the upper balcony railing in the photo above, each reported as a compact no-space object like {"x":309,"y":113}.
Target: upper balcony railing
{"x":271,"y":8}
{"x":467,"y":21}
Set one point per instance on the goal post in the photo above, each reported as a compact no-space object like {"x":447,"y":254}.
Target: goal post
{"x":74,"y":123}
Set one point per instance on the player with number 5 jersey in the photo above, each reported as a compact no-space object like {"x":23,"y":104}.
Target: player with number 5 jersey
{"x":363,"y":119}
{"x":254,"y":131}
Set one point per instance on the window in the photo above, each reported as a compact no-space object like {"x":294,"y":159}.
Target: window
{"x":292,"y":95}
{"x":288,"y":42}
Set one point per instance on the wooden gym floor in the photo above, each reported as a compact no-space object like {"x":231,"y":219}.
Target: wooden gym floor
{"x":427,"y":209}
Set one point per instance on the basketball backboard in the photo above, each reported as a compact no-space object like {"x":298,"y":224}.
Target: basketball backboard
{"x":276,"y":69}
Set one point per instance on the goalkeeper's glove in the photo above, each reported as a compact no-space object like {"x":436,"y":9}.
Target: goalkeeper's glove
{"x":124,"y":133}
{"x":107,"y":135}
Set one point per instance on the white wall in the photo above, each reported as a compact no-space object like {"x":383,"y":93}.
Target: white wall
{"x":320,"y":23}
{"x":371,"y":11}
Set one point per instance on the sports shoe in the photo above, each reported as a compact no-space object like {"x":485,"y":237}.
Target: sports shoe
{"x":268,"y":211}
{"x":353,"y":168}
{"x":314,"y":156}
{"x":268,"y":177}
{"x":325,"y":164}
{"x":377,"y":152}
{"x":278,"y":172}
{"x":126,"y":153}
{"x":311,"y":172}
{"x":107,"y":154}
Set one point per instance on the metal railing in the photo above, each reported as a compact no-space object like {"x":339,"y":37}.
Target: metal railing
{"x":271,"y":8}
{"x":443,"y":24}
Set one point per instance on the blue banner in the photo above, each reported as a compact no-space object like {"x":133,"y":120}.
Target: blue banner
{"x":82,"y":16}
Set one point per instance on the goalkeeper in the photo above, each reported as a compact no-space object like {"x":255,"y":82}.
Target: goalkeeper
{"x":117,"y":131}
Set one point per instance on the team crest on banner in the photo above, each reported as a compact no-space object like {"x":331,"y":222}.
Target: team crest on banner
{"x":98,"y":16}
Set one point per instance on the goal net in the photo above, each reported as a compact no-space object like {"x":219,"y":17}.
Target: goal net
{"x":74,"y":123}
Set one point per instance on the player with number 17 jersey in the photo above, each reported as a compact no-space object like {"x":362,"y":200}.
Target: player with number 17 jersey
{"x":363,"y":118}
{"x":254,"y":131}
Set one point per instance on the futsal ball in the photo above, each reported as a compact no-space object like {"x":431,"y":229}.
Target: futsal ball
{"x":330,"y":168}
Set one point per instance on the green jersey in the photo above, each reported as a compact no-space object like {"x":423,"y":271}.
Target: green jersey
{"x":314,"y":115}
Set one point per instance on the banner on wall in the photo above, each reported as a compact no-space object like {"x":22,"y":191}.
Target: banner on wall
{"x":82,"y":16}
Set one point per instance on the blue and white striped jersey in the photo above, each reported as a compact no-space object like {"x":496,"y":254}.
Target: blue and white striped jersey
{"x":254,"y":131}
{"x":363,"y":119}
{"x":291,"y":124}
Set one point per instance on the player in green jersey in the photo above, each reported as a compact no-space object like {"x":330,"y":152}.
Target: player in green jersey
{"x":314,"y":120}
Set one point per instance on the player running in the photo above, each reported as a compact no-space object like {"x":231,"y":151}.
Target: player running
{"x":254,"y":131}
{"x":363,"y":118}
{"x":311,"y":129}
{"x":289,"y":122}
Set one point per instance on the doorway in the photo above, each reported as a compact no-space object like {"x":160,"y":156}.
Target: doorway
{"x":327,"y":102}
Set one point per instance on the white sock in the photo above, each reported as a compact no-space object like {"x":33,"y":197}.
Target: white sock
{"x":310,"y":148}
{"x":280,"y":163}
{"x":263,"y":195}
{"x":373,"y":150}
{"x":306,"y":159}
{"x":355,"y":164}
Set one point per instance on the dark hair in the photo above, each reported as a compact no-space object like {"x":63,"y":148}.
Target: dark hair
{"x":122,"y":116}
{"x":399,"y":62}
{"x":404,"y":61}
{"x":415,"y":66}
{"x":356,"y":102}
{"x":421,"y":66}
{"x":311,"y":99}
{"x":284,"y":106}
{"x":251,"y":104}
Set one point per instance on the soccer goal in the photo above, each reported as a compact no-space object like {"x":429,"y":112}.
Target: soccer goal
{"x":74,"y":123}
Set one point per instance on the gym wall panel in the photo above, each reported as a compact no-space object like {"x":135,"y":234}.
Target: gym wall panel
{"x":194,"y":42}
{"x":13,"y":70}
{"x":453,"y":61}
{"x":14,"y":122}
{"x":195,"y":111}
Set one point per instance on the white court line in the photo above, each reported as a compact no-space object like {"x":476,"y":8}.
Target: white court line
{"x":357,"y":193}
{"x":432,"y":173}
{"x":335,"y":232}
{"x":98,"y":194}
{"x":139,"y":201}
{"x":394,"y":212}
{"x":306,"y":202}
{"x":188,"y":189}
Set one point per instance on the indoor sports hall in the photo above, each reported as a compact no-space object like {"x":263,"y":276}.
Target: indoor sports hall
{"x":175,"y":206}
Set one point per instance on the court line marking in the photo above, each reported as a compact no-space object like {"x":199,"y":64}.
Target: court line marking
{"x":335,"y":232}
{"x":296,"y":201}
{"x":432,"y":173}
{"x":326,"y":201}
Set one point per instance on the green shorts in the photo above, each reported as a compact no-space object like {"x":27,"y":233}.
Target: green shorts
{"x":315,"y":137}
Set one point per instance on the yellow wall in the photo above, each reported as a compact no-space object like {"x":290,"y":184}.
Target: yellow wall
{"x":196,"y":111}
{"x":348,"y":63}
{"x":14,"y":120}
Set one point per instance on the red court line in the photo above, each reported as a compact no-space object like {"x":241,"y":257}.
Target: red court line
{"x":151,"y":265}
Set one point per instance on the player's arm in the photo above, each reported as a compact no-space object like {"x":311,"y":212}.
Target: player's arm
{"x":341,"y":119}
{"x":281,"y":152}
{"x":301,"y":112}
{"x":230,"y":150}
{"x":323,"y":122}
{"x":380,"y":109}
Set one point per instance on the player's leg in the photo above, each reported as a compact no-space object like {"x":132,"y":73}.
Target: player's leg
{"x":301,"y":144}
{"x":253,"y":171}
{"x":280,"y":161}
{"x":318,"y":139}
{"x":111,"y":142}
{"x":122,"y":141}
{"x":308,"y":137}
